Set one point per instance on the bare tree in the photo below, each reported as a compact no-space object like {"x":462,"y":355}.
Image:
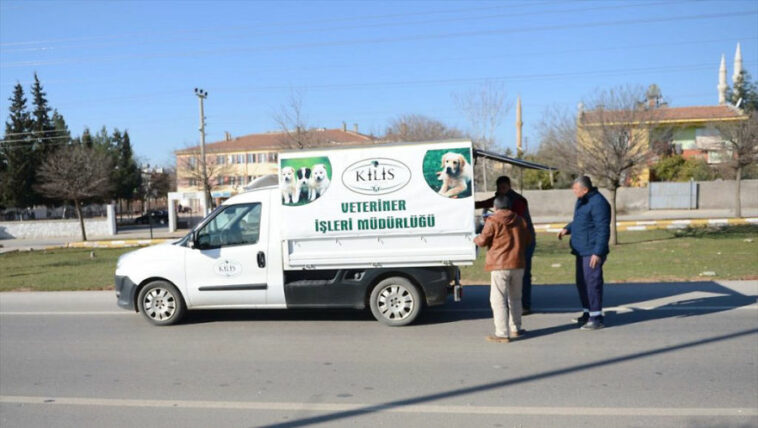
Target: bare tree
{"x":189,"y":167}
{"x":740,"y":150}
{"x":296,"y":134}
{"x":416,"y":127}
{"x":558,"y":143}
{"x":485,"y":108}
{"x":612,"y":141}
{"x":76,"y":174}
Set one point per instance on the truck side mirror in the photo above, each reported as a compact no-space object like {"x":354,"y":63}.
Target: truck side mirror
{"x":192,"y":243}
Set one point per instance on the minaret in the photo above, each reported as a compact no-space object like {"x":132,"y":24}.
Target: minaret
{"x":737,"y":88}
{"x":519,"y":124}
{"x":722,"y":81}
{"x":737,"y":65}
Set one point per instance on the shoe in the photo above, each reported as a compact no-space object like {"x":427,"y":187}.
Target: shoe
{"x":518,"y":333}
{"x":582,"y":319}
{"x":497,"y":339}
{"x":593,"y":325}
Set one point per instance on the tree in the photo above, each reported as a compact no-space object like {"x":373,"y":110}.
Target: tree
{"x":76,"y":174}
{"x":740,"y":150}
{"x":62,"y":135}
{"x":416,"y":127}
{"x":612,"y":140}
{"x":189,"y":167}
{"x":558,"y":145}
{"x":17,"y":154}
{"x":744,"y":92}
{"x":156,"y":184}
{"x":296,"y":134}
{"x":86,"y":139}
{"x":485,"y":108}
{"x":43,"y":130}
{"x":677,"y":168}
{"x":127,"y":177}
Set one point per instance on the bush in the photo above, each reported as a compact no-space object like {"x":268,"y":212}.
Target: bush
{"x":677,"y":168}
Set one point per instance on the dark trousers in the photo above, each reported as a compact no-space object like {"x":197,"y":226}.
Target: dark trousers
{"x":526,"y":287}
{"x":589,"y":282}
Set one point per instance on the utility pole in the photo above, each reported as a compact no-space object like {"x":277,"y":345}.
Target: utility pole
{"x":201,"y":96}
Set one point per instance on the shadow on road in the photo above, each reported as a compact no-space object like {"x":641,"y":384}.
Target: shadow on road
{"x":679,"y":299}
{"x":330,"y":417}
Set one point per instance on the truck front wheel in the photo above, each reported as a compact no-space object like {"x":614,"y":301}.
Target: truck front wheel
{"x":395,"y":301}
{"x":161,"y":303}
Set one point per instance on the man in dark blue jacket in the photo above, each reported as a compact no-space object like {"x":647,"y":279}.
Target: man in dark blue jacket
{"x":590,"y":231}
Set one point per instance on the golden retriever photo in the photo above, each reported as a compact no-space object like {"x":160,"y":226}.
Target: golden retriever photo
{"x":455,"y":175}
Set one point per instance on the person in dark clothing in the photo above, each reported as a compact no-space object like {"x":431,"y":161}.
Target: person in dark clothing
{"x":521,"y":207}
{"x":590,"y":232}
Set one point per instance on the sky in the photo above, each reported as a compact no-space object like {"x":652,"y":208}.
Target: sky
{"x":134,"y":64}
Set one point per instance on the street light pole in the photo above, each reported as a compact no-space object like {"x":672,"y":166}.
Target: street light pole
{"x":201,"y":96}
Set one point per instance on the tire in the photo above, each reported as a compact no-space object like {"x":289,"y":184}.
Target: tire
{"x":395,"y":301}
{"x":161,"y":303}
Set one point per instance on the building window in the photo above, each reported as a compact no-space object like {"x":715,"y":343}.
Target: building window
{"x":251,"y":158}
{"x":232,"y":180}
{"x":261,"y":158}
{"x":220,"y":159}
{"x":240,"y":158}
{"x":219,"y":180}
{"x":272,"y":157}
{"x":192,"y":162}
{"x":249,"y":178}
{"x":192,"y":182}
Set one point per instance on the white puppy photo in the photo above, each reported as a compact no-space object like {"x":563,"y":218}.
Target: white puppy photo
{"x":289,"y":186}
{"x":319,"y":181}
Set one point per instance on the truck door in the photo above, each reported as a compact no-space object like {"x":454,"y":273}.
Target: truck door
{"x":228,"y":264}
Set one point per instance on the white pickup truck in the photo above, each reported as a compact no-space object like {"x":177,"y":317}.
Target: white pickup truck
{"x":383,"y":226}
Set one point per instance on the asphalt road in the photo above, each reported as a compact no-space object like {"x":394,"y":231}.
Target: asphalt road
{"x":674,"y":355}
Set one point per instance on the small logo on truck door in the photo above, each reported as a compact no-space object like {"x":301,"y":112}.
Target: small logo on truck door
{"x":376,"y":176}
{"x":228,"y":268}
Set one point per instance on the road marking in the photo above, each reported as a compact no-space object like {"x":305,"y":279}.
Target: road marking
{"x":339,"y":407}
{"x":67,"y":313}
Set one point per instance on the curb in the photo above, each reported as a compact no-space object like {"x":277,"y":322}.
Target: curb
{"x":124,"y":243}
{"x":661,"y":224}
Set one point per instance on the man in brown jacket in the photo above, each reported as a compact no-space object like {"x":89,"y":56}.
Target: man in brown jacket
{"x":507,"y":236}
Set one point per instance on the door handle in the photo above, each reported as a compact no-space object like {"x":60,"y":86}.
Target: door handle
{"x":261,"y":259}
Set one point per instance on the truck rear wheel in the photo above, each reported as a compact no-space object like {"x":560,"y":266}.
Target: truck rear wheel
{"x":395,"y":301}
{"x":161,"y":303}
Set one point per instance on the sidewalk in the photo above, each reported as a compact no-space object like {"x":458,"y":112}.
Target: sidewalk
{"x":126,"y":238}
{"x":643,"y":220}
{"x":656,"y":215}
{"x":659,"y":224}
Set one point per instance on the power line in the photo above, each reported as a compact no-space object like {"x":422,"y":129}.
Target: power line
{"x":277,"y":24}
{"x":36,"y":132}
{"x":448,"y":60}
{"x":441,"y":82}
{"x":384,"y":39}
{"x":379,"y":25}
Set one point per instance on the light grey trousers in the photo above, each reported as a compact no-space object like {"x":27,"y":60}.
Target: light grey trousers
{"x":506,"y":283}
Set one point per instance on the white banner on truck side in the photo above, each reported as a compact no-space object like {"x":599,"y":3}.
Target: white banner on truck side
{"x":409,"y":204}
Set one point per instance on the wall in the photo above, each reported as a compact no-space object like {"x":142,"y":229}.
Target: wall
{"x":35,"y":229}
{"x":720,"y":194}
{"x":711,"y":195}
